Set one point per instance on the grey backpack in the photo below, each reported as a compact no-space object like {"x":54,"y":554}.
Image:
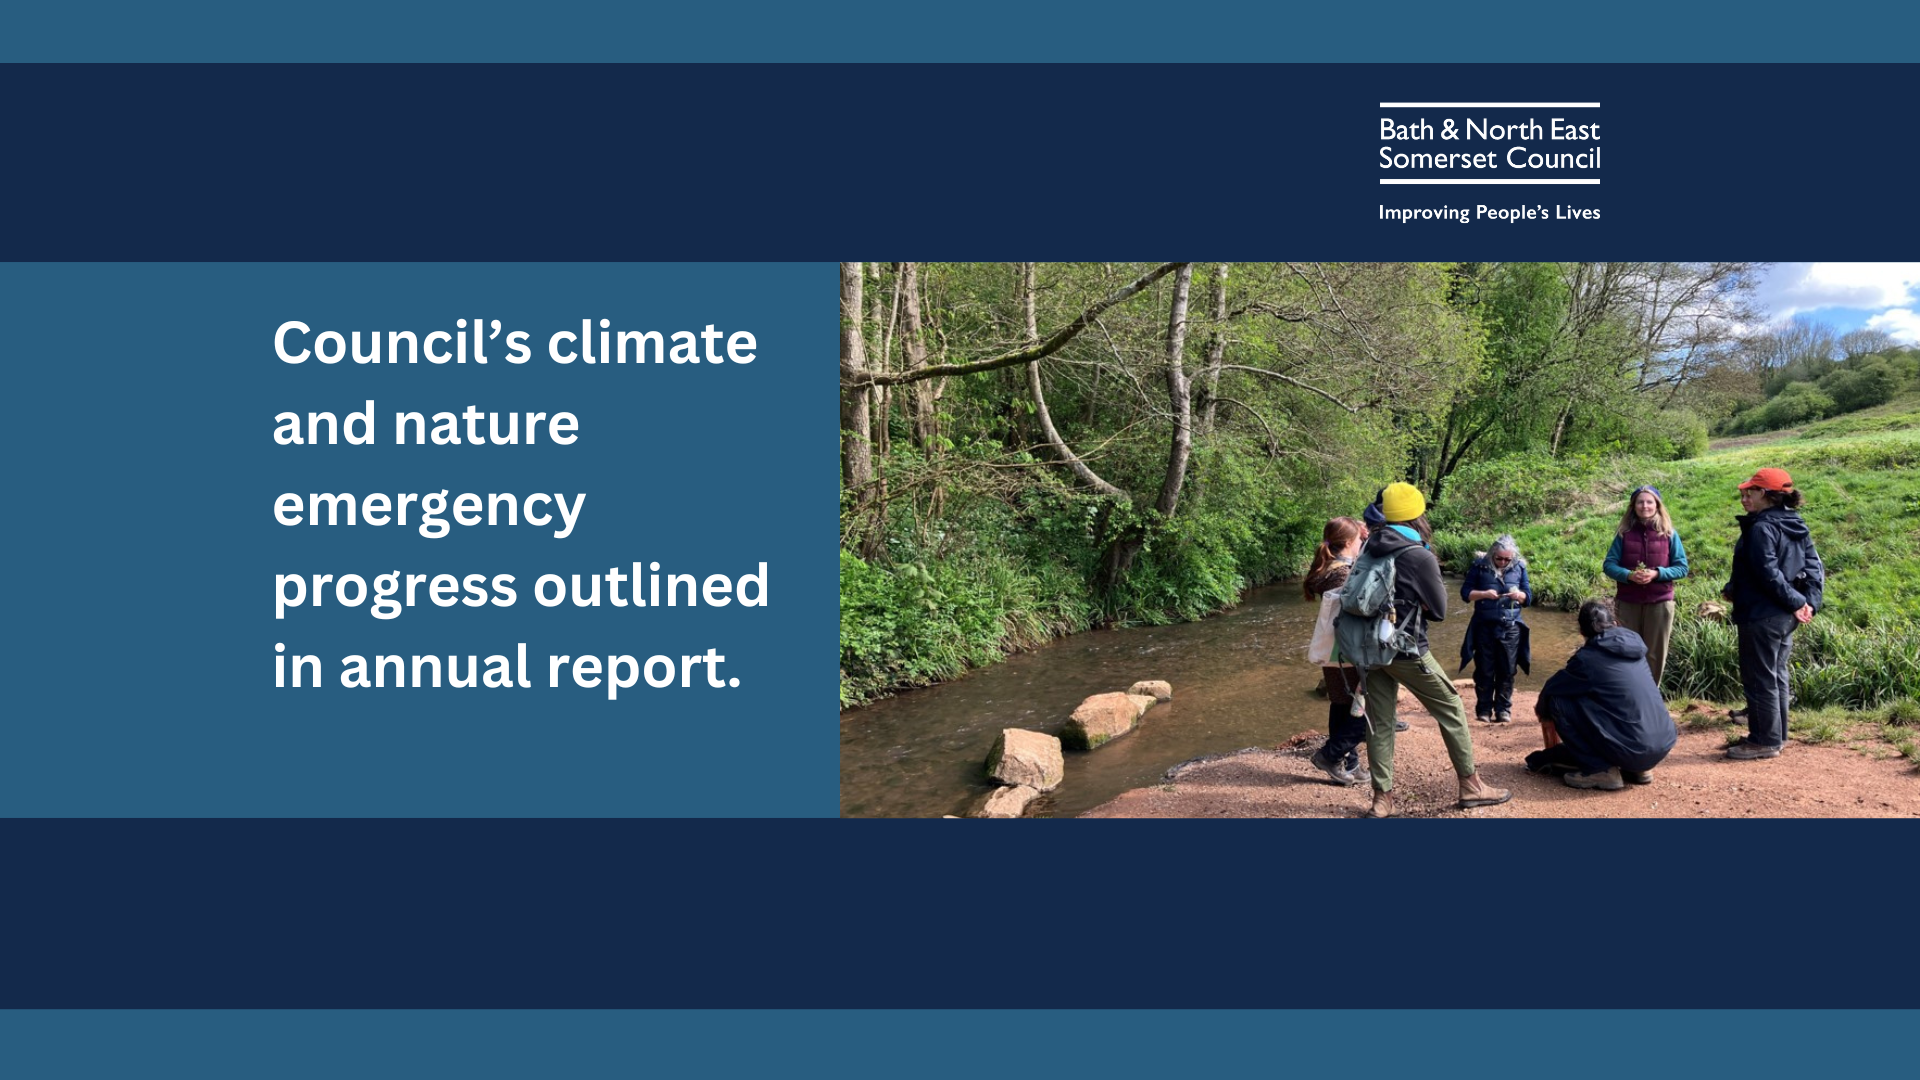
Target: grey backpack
{"x":1368,"y":630}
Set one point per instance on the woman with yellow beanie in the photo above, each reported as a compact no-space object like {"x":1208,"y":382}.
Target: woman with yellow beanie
{"x":1418,"y":596}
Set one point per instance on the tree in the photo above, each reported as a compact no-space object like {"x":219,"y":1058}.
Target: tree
{"x":856,"y":450}
{"x":1865,"y":342}
{"x":1297,"y":376}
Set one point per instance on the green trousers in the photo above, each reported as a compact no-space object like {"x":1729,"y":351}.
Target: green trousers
{"x":1654,"y":624}
{"x":1428,"y":681}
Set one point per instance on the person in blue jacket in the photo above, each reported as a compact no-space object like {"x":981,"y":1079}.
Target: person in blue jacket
{"x":1497,"y":640}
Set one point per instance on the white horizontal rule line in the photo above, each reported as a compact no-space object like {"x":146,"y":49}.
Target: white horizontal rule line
{"x":1441,"y":180}
{"x":1489,"y":104}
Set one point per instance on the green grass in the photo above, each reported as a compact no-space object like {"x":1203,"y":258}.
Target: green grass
{"x":1861,"y":478}
{"x":1863,"y":506}
{"x":1902,"y":713}
{"x":1904,"y":745}
{"x":1900,"y":414}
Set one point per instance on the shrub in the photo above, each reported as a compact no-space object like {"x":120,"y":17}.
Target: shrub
{"x":1522,"y":487}
{"x":1797,"y":404}
{"x":1675,"y":434}
{"x":1872,"y":383}
{"x":915,"y":623}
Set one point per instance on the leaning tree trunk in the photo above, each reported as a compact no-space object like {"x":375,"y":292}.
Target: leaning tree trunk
{"x":1058,"y":445}
{"x":1121,"y":554}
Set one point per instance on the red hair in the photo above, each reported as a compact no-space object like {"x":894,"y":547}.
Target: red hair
{"x":1339,"y":532}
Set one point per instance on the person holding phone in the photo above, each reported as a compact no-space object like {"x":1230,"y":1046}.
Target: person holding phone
{"x":1497,"y":640}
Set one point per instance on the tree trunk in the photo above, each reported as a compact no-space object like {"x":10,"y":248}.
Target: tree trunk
{"x":1059,"y":445}
{"x":913,"y":340}
{"x":1179,"y":396}
{"x":882,"y":395}
{"x":856,"y":453}
{"x":1216,"y":350}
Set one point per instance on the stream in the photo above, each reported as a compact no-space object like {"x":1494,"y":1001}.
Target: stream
{"x":1239,"y":679}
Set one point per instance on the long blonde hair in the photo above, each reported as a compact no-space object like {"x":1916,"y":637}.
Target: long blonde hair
{"x":1662,"y":523}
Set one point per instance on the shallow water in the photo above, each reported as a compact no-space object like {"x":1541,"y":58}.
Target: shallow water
{"x":1239,"y":679}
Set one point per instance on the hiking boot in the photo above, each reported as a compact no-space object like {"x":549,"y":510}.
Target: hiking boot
{"x":1481,"y":794}
{"x":1751,"y":751}
{"x":1737,"y":714}
{"x":1598,"y":781}
{"x":1632,"y":777}
{"x":1401,"y":725}
{"x":1503,"y":717}
{"x":1340,"y":774}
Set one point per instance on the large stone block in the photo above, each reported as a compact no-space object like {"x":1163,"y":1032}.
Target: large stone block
{"x":1030,"y":758}
{"x":1006,"y":802}
{"x":1159,"y":689}
{"x":1101,"y":719}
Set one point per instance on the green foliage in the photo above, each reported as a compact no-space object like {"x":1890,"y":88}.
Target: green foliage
{"x":1834,"y":665}
{"x":1871,"y":383}
{"x":977,"y":542}
{"x":1201,"y":563}
{"x":1797,"y":404}
{"x":1808,"y":389}
{"x":1863,"y":505}
{"x":1493,"y":495}
{"x":1903,"y":713}
{"x":1805,"y":369}
{"x":1674,"y":434}
{"x":918,"y":623}
{"x":1703,"y":660}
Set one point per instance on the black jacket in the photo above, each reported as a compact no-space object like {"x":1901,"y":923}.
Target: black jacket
{"x":1418,"y":592}
{"x":1775,"y":568}
{"x":1604,"y":702}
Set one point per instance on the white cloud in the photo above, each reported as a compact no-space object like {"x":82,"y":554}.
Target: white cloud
{"x":1902,"y":323}
{"x":1793,"y":288}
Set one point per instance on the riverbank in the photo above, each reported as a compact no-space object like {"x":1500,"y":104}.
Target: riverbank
{"x":1861,"y":777}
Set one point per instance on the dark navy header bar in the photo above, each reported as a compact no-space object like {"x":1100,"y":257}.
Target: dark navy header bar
{"x":963,"y":162}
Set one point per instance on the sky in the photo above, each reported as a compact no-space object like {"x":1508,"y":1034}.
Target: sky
{"x":1846,"y":296}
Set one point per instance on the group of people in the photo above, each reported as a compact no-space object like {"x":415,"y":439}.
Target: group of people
{"x":1603,"y":721}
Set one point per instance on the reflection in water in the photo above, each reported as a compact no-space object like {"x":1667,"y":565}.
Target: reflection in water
{"x":1239,"y":679}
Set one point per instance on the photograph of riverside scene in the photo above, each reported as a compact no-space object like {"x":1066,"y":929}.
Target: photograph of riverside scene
{"x":1383,"y":539}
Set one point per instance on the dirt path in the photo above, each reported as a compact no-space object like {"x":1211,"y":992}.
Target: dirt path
{"x":1696,"y":780}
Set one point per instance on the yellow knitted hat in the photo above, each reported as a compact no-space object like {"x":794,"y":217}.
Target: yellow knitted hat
{"x":1402,"y":502}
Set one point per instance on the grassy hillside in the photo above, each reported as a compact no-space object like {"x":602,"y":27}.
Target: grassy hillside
{"x":1861,"y":477}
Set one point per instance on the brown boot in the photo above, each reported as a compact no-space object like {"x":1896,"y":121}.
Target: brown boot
{"x":1473,"y":793}
{"x":1382,"y":805}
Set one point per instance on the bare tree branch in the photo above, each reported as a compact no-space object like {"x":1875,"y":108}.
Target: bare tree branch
{"x":1291,"y":381}
{"x":1026,"y":355}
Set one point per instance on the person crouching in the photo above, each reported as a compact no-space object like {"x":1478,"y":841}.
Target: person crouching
{"x":1603,"y":710}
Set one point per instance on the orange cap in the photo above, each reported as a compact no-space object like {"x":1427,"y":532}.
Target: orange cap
{"x":1770,"y":480}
